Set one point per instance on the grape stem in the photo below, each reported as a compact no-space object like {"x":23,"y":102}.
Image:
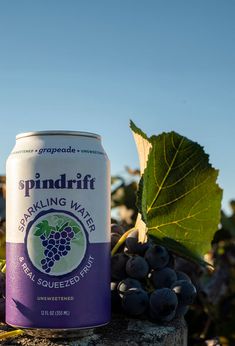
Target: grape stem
{"x":63,"y":226}
{"x":3,"y":270}
{"x":206,"y":328}
{"x":3,"y":265}
{"x":121,"y":241}
{"x":11,"y":334}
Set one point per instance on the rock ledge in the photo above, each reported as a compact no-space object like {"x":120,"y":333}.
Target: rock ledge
{"x":120,"y":332}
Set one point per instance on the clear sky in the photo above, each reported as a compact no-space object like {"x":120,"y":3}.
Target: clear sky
{"x":92,"y":65}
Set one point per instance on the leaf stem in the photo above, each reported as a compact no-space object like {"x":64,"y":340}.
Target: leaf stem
{"x":11,"y":334}
{"x":206,"y":328}
{"x":3,"y":269}
{"x":121,"y":241}
{"x":3,"y":265}
{"x":63,"y":226}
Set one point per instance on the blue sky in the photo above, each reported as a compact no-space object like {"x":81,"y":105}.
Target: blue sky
{"x":94,"y":65}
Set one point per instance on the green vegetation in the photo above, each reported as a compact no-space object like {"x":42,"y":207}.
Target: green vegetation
{"x":178,"y":197}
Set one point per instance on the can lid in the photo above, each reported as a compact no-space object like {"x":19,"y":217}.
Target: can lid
{"x":58,"y":133}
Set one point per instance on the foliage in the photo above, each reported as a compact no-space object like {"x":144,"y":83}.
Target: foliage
{"x":123,"y":198}
{"x":211,"y":319}
{"x":178,"y":197}
{"x":218,"y":287}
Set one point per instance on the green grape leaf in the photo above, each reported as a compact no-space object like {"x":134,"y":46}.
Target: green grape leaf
{"x":76,"y":229}
{"x":43,"y":227}
{"x":178,"y":196}
{"x":143,"y":147}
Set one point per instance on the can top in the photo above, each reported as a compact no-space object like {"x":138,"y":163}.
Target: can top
{"x":58,"y":133}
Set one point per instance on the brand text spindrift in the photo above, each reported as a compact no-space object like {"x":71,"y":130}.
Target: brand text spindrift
{"x":85,"y":182}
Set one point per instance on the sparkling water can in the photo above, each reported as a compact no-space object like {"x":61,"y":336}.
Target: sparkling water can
{"x":58,"y":233}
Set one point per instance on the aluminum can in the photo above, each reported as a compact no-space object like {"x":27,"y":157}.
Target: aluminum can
{"x":58,"y":232}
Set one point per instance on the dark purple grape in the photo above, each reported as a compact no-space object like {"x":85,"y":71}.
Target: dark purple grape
{"x":51,"y":241}
{"x":157,"y":256}
{"x":163,"y":304}
{"x":63,"y":234}
{"x":68,"y":229}
{"x":137,"y":267}
{"x":115,"y":298}
{"x":42,"y":237}
{"x":49,"y":246}
{"x":48,"y":270}
{"x":183,"y":276}
{"x":114,"y":239}
{"x":57,"y":257}
{"x":46,"y":252}
{"x":71,"y":234}
{"x":64,"y":253}
{"x":50,"y":254}
{"x":62,"y":241}
{"x":171,"y":262}
{"x":164,"y":277}
{"x":133,"y":246}
{"x":57,"y":235}
{"x":126,"y":284}
{"x":68,"y":248}
{"x":54,"y":250}
{"x":43,"y":261}
{"x":185,"y":291}
{"x":50,"y":264}
{"x":44,"y":267}
{"x":118,"y":266}
{"x":135,"y":301}
{"x":44,"y":243}
{"x":115,"y":228}
{"x":61,"y":248}
{"x":193,"y":270}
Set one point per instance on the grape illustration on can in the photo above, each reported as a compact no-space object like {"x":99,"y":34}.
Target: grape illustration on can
{"x":60,"y":241}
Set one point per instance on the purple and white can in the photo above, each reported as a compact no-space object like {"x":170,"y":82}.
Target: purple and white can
{"x":58,"y":232}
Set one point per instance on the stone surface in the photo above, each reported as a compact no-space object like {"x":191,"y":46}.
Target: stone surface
{"x":120,"y":332}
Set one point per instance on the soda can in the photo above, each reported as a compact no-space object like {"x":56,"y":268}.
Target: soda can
{"x":58,"y":233}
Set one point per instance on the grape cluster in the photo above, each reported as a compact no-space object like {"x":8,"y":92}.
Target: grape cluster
{"x":57,"y":245}
{"x":144,"y":281}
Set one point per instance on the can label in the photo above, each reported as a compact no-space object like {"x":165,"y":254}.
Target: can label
{"x":58,"y":249}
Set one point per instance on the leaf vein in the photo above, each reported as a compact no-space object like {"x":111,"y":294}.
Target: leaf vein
{"x":166,"y":175}
{"x":183,"y":177}
{"x":189,"y":216}
{"x":179,"y":197}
